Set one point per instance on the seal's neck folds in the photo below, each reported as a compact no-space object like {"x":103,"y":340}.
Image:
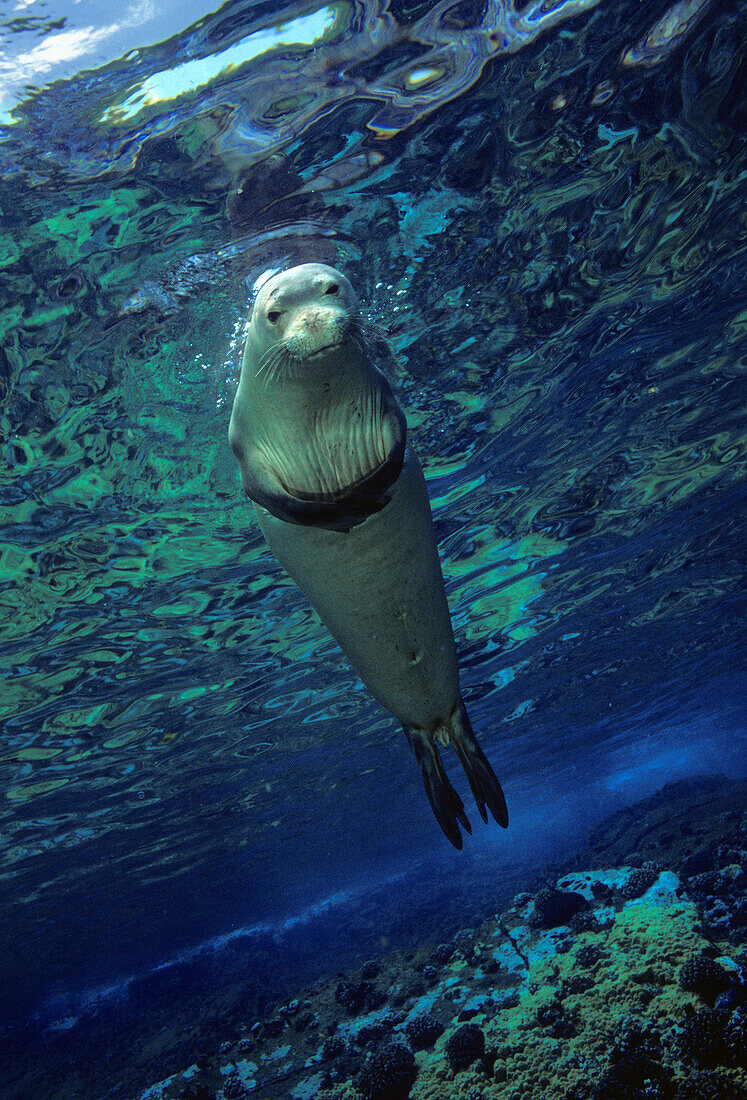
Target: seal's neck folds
{"x":324,"y":430}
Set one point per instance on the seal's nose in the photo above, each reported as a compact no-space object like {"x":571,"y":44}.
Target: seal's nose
{"x":317,"y":316}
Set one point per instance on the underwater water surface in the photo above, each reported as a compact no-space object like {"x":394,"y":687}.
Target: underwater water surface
{"x":542,"y":207}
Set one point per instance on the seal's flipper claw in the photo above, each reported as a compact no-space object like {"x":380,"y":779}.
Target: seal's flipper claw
{"x":445,"y":802}
{"x":482,"y":779}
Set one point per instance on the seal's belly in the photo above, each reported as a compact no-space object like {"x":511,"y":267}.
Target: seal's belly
{"x":379,"y":590}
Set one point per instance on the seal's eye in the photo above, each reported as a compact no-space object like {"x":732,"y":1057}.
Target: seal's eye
{"x":333,"y":288}
{"x":273,"y":316}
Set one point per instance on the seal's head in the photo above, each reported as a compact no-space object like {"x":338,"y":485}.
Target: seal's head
{"x":301,"y":314}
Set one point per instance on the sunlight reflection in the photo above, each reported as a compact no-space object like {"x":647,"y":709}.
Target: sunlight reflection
{"x":187,"y":77}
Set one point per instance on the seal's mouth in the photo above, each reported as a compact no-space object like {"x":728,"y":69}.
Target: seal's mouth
{"x":325,"y":347}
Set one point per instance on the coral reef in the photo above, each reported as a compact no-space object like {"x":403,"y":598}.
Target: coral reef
{"x":388,"y":1074}
{"x":354,"y":998}
{"x":555,"y":907}
{"x":701,"y":974}
{"x":465,"y":1046}
{"x":233,"y":1088}
{"x":638,"y":882}
{"x":423,"y":1031}
{"x":603,"y":983}
{"x":632,"y":1005}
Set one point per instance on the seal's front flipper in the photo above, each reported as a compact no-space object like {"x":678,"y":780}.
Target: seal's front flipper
{"x":446,"y":803}
{"x":482,"y":779}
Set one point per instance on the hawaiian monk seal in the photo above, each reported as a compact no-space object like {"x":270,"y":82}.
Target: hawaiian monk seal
{"x":341,"y":499}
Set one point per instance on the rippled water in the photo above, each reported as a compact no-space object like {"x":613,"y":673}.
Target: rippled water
{"x":543,"y":206}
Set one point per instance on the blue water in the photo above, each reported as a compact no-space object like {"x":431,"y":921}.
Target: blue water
{"x":542,"y":207}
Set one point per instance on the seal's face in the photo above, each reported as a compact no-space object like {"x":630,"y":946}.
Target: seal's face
{"x":304,"y":313}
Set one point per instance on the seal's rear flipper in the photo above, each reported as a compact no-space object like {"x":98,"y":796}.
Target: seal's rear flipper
{"x":446,"y":803}
{"x":482,"y":779}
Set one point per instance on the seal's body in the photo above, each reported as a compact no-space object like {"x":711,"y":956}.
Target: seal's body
{"x":342,"y":502}
{"x":378,"y":588}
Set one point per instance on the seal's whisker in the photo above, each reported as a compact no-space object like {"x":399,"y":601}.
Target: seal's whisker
{"x":274,"y":366}
{"x":274,"y":358}
{"x":358,"y":341}
{"x":372,"y":335}
{"x":268,"y":358}
{"x":268,"y":355}
{"x":363,"y":346}
{"x":284,"y":363}
{"x":372,"y":330}
{"x":372,"y":343}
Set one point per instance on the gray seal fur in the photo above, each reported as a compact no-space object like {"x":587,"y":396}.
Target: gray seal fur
{"x":341,"y":500}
